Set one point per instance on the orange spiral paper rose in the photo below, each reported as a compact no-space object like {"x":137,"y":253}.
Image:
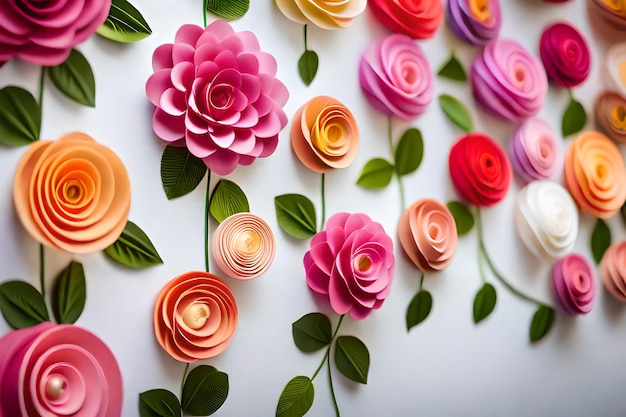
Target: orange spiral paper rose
{"x":610,"y":111}
{"x":613,"y":270}
{"x":72,"y":194}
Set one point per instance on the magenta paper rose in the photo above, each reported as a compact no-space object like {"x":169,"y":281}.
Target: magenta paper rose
{"x":508,"y":81}
{"x":565,"y":54}
{"x":216,"y":93}
{"x":574,"y":284}
{"x":535,"y":151}
{"x":475,"y":22}
{"x":44,"y":32}
{"x":396,"y":77}
{"x":58,"y":370}
{"x":352,"y":262}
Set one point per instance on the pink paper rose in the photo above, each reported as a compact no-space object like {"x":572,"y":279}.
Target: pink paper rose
{"x":418,"y":19}
{"x":352,"y":262}
{"x":534,"y":150}
{"x":565,"y":54}
{"x":613,"y":270}
{"x":475,"y":22}
{"x":216,"y":93}
{"x":58,"y":370}
{"x":44,"y":32}
{"x":396,"y":78}
{"x":574,"y":284}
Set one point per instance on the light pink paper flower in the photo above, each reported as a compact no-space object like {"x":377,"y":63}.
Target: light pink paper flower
{"x":613,"y":270}
{"x":535,"y":151}
{"x":58,"y":370}
{"x":574,"y":284}
{"x":352,"y":262}
{"x":216,"y":93}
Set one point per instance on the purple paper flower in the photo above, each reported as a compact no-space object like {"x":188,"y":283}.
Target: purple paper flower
{"x":534,"y":150}
{"x":475,"y":22}
{"x":574,"y":284}
{"x":565,"y":54}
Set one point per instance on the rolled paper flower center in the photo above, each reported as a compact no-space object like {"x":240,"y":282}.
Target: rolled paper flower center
{"x":55,"y":387}
{"x":196,"y":315}
{"x":480,"y":10}
{"x":601,"y":171}
{"x":618,"y":117}
{"x":435,"y":233}
{"x":616,"y":5}
{"x":63,"y":388}
{"x":581,"y":283}
{"x":362,"y":263}
{"x":544,"y":148}
{"x":519,"y":76}
{"x":221,"y":96}
{"x":571,"y":49}
{"x":487,"y":162}
{"x":406,"y":76}
{"x":332,"y":138}
{"x":248,"y":242}
{"x":72,"y":191}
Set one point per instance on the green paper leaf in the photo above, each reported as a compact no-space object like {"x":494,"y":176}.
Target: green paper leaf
{"x":410,"y":152}
{"x":205,"y":391}
{"x":312,"y":332}
{"x":228,"y":9}
{"x":352,"y":358}
{"x":419,"y":309}
{"x":133,"y":249}
{"x":20,"y":117}
{"x":456,"y":112}
{"x":463,"y":217}
{"x":227,"y":199}
{"x":22,"y":305}
{"x":307,"y":66}
{"x":296,"y":215}
{"x":75,"y":79}
{"x":181,"y":172}
{"x":124,"y":24}
{"x":158,"y":403}
{"x":69,"y":294}
{"x":376,"y":174}
{"x":484,"y":303}
{"x":600,"y":240}
{"x":574,"y":118}
{"x":452,"y":69}
{"x":542,"y":322}
{"x":296,"y":398}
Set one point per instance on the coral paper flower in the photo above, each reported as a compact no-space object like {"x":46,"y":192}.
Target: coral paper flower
{"x":565,"y":54}
{"x":324,"y":134}
{"x":215,"y":89}
{"x":574,"y":284}
{"x":480,"y":170}
{"x":243,"y":246}
{"x":508,"y":81}
{"x":418,"y":19}
{"x":534,"y":150}
{"x":195,"y":316}
{"x":396,"y":78}
{"x":615,"y":67}
{"x":327,"y":14}
{"x":595,"y":175}
{"x":612,"y":12}
{"x":72,"y":194}
{"x":427,"y":233}
{"x":610,"y":111}
{"x":475,"y":21}
{"x":613,"y":270}
{"x":58,"y":370}
{"x":44,"y":32}
{"x":351,"y":262}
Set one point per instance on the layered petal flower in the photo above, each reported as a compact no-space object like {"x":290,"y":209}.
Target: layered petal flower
{"x":574,"y":284}
{"x":610,"y":112}
{"x":565,"y":54}
{"x":612,"y":12}
{"x":534,"y":150}
{"x":615,"y":67}
{"x":613,"y":270}
{"x":475,"y":21}
{"x":327,"y":14}
{"x":418,"y":19}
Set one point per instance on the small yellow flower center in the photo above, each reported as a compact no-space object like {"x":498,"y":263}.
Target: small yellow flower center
{"x":618,"y":117}
{"x":196,"y":315}
{"x":247,"y":242}
{"x":480,"y":10}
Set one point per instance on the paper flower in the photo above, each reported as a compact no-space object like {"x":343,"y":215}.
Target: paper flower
{"x":396,"y":78}
{"x":324,"y":134}
{"x":574,"y":284}
{"x":427,"y":233}
{"x":418,"y":19}
{"x":195,"y":316}
{"x":612,"y":12}
{"x":508,"y":81}
{"x":243,"y":246}
{"x":565,"y":54}
{"x":615,"y":67}
{"x":72,"y":194}
{"x":475,"y":22}
{"x":217,"y":91}
{"x":44,"y":33}
{"x":351,"y":262}
{"x":613,"y":270}
{"x":546,"y":219}
{"x":610,"y":111}
{"x":327,"y":14}
{"x":58,"y":370}
{"x":595,"y":175}
{"x":480,"y":170}
{"x":534,"y":150}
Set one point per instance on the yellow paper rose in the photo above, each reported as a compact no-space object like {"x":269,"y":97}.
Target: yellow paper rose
{"x":327,"y":14}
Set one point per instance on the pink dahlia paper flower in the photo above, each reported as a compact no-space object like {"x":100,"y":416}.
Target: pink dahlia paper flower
{"x":44,"y":32}
{"x":418,"y":19}
{"x":352,"y":262}
{"x":58,"y":370}
{"x":508,"y":81}
{"x":216,"y":93}
{"x":396,"y":78}
{"x":565,"y":54}
{"x":475,"y":22}
{"x":613,"y":270}
{"x":574,"y":284}
{"x":534,"y":150}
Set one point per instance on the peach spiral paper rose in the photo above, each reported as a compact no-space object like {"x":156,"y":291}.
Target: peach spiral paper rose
{"x":243,"y":246}
{"x":475,"y":21}
{"x":195,"y":316}
{"x":534,"y":150}
{"x":574,"y":284}
{"x":327,"y":14}
{"x":613,"y":270}
{"x":612,"y":12}
{"x":427,"y":233}
{"x":565,"y":54}
{"x":58,"y":370}
{"x":595,"y":174}
{"x":324,"y":134}
{"x":418,"y":19}
{"x":615,"y":67}
{"x":610,"y":112}
{"x":72,"y":194}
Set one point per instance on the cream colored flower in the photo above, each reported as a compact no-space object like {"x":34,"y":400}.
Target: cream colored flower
{"x":327,"y":14}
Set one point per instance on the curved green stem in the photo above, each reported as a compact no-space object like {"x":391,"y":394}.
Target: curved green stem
{"x":204,"y":6}
{"x":319,"y":368}
{"x":323,"y":191}
{"x":421,"y":282}
{"x":332,"y":389}
{"x":391,"y":150}
{"x":42,"y":77}
{"x":206,"y":222}
{"x":182,"y":383}
{"x":42,"y":269}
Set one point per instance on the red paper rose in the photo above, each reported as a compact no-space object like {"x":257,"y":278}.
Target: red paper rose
{"x":565,"y":54}
{"x":418,"y":19}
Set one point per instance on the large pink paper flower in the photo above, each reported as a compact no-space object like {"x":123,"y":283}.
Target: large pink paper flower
{"x":396,"y":78}
{"x":475,"y":22}
{"x":352,"y":262}
{"x":44,"y":32}
{"x":58,"y":370}
{"x":565,"y":54}
{"x":418,"y":19}
{"x":574,"y":284}
{"x":217,"y":91}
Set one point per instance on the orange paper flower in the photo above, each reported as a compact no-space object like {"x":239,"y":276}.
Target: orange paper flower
{"x":613,"y":270}
{"x":610,"y":111}
{"x":72,"y":194}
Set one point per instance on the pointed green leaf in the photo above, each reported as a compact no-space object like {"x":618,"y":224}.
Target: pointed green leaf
{"x":456,"y":112}
{"x":133,"y":249}
{"x":69,"y":294}
{"x":158,"y":403}
{"x":307,"y":66}
{"x":296,"y":215}
{"x":22,"y":305}
{"x":419,"y":309}
{"x":124,"y":24}
{"x":376,"y":174}
{"x":352,"y":358}
{"x":181,"y":172}
{"x":205,"y":391}
{"x":410,"y":152}
{"x":312,"y":332}
{"x":75,"y":79}
{"x":574,"y":118}
{"x":452,"y":69}
{"x":600,"y":240}
{"x":542,"y":322}
{"x":463,"y":217}
{"x":20,"y":117}
{"x":228,"y":9}
{"x":227,"y":199}
{"x":296,"y":398}
{"x":484,"y":302}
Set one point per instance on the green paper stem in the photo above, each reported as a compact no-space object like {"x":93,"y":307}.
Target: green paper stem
{"x":204,"y":12}
{"x":42,"y":269}
{"x":206,"y":222}
{"x":323,"y":191}
{"x":182,"y":383}
{"x":421,"y":282}
{"x":306,"y":48}
{"x":400,"y":185}
{"x":319,"y":368}
{"x":481,"y":263}
{"x":42,"y":77}
{"x":332,"y":389}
